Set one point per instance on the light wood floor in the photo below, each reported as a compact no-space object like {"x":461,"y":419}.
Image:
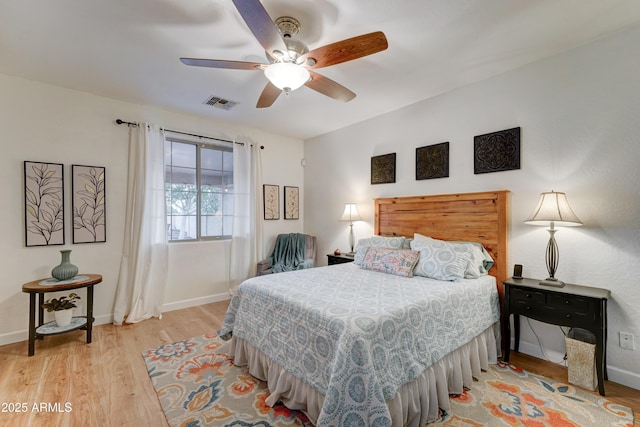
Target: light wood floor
{"x":106,"y":382}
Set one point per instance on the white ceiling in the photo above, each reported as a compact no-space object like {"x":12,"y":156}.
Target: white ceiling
{"x":129,"y":50}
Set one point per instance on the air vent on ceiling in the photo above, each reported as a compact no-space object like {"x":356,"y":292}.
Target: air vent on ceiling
{"x":216,"y":101}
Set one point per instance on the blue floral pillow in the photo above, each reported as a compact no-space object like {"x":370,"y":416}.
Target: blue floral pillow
{"x":399,"y":262}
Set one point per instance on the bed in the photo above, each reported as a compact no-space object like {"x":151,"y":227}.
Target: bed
{"x":351,"y":346}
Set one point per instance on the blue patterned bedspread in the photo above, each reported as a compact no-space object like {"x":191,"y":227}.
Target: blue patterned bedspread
{"x":355,"y":335}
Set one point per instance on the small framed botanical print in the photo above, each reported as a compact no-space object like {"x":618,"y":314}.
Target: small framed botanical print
{"x":271,"y":201}
{"x":88,"y":204}
{"x":44,"y":203}
{"x":291,"y":203}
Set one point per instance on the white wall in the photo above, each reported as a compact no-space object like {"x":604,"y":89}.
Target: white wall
{"x":46,"y":123}
{"x":580,"y":119}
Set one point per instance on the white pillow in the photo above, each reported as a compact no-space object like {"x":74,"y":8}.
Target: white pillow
{"x":480,"y":262}
{"x":440,"y":260}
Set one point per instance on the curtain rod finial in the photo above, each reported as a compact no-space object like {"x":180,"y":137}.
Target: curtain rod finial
{"x":124,"y":122}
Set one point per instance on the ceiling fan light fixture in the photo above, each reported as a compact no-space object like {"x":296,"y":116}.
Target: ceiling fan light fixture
{"x":287,"y":76}
{"x":291,"y":60}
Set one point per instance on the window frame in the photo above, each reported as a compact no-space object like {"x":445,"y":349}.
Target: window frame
{"x":198,"y":172}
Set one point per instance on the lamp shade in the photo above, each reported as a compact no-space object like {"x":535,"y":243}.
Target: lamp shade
{"x":287,"y":75}
{"x":553,"y":207}
{"x":350,"y":213}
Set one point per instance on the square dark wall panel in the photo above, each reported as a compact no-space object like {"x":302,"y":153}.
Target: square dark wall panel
{"x":383,"y":169}
{"x":432,"y":161}
{"x":497,"y":151}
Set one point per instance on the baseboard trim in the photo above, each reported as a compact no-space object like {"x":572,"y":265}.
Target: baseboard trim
{"x":534,"y":350}
{"x":103,"y":319}
{"x":616,"y":375}
{"x":621,"y":376}
{"x":12,"y":337}
{"x":178,"y":305}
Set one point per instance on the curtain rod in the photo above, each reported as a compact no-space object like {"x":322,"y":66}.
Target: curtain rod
{"x":123,"y":122}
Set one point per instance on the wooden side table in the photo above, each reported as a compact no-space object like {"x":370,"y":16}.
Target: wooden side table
{"x":41,"y":287}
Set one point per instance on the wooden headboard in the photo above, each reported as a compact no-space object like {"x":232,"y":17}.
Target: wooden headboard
{"x":473,"y":217}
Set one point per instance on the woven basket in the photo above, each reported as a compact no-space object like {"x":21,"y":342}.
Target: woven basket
{"x":581,"y":358}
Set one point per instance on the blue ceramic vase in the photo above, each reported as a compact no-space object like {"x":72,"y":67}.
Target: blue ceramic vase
{"x":65,"y":270}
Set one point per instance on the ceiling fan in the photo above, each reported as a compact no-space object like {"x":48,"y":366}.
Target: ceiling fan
{"x":291,"y":64}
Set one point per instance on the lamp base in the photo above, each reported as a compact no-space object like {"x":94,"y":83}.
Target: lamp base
{"x":551,"y":281}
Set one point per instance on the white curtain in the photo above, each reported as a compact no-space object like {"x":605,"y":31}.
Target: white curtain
{"x":143,"y":268}
{"x":247,"y":240}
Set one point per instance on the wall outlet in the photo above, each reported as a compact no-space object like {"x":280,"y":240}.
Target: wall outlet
{"x":626,"y":341}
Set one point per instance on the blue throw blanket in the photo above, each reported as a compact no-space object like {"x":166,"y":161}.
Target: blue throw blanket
{"x":289,"y":253}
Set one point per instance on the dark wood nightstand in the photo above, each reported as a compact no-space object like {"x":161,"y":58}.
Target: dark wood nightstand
{"x":338,"y":259}
{"x":572,"y":305}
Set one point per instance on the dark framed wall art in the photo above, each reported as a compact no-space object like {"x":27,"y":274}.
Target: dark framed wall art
{"x":432,"y":161}
{"x":291,"y":203}
{"x":497,"y":151}
{"x":383,"y":169}
{"x":271,"y":201}
{"x":44,"y":203}
{"x":88,"y":204}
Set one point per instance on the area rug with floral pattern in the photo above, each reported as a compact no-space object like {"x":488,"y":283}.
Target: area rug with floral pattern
{"x":198,"y":385}
{"x":508,"y":396}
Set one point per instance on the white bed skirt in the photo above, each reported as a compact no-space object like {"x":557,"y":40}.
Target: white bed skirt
{"x":415,"y":404}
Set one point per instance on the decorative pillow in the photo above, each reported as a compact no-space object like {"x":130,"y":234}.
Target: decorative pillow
{"x":480,"y":261}
{"x":376,"y":242}
{"x":407,"y":243}
{"x":361,"y":250}
{"x":439,"y":260}
{"x":400,"y":262}
{"x":387,"y":242}
{"x":488,"y":261}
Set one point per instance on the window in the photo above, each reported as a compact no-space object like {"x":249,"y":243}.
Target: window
{"x":198,"y":190}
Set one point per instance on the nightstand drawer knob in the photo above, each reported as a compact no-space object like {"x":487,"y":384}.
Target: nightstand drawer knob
{"x":567,"y":302}
{"x":527,"y":295}
{"x":568,"y":316}
{"x":528,"y":307}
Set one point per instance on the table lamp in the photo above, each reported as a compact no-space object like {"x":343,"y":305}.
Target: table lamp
{"x":553,"y":209}
{"x":351,"y":214}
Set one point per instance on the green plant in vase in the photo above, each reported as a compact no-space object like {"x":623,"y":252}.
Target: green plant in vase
{"x":62,"y":303}
{"x":62,"y":308}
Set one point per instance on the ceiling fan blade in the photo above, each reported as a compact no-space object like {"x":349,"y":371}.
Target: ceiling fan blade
{"x":328,"y":87}
{"x":262,"y":26}
{"x":268,"y":96}
{"x":220,"y":63}
{"x":346,"y":50}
